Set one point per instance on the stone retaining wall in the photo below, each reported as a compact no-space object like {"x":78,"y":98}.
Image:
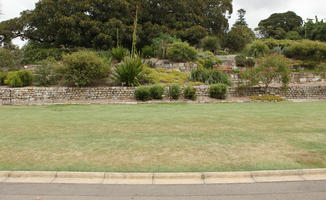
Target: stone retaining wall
{"x":67,"y":95}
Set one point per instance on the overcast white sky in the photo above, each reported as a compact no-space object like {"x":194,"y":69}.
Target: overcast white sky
{"x":256,"y":9}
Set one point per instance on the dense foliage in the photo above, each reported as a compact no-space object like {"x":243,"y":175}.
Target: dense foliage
{"x":129,"y":71}
{"x":209,"y":76}
{"x":174,"y":91}
{"x":84,"y":67}
{"x":156,"y":92}
{"x":218,"y":91}
{"x":20,"y":78}
{"x":142,"y":93}
{"x":190,"y":93}
{"x":95,"y":23}
{"x":181,"y":51}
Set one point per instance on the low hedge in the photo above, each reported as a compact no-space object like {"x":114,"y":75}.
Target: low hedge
{"x":190,"y":93}
{"x":143,"y":93}
{"x":20,"y":78}
{"x":175,"y":91}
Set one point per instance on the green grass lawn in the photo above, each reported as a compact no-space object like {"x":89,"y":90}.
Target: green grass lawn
{"x":163,"y":137}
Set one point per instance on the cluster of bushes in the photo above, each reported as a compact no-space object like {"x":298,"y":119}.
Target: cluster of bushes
{"x":208,"y":60}
{"x":243,"y":61}
{"x":210,"y":76}
{"x":20,"y":78}
{"x":301,"y":50}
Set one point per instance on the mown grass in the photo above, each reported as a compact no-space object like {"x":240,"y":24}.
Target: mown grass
{"x":163,"y":137}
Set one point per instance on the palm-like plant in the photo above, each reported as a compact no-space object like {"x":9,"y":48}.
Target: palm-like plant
{"x":128,"y":72}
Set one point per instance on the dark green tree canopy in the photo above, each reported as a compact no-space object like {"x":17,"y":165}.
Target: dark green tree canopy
{"x":315,"y":30}
{"x":278,"y":24}
{"x":95,"y":23}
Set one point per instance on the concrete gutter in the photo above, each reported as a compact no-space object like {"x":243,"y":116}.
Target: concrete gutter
{"x":162,"y":178}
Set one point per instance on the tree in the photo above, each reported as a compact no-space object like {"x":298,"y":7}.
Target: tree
{"x":241,"y":18}
{"x":315,"y":30}
{"x":278,"y":24}
{"x":240,"y":34}
{"x":269,"y":70}
{"x":94,"y":23}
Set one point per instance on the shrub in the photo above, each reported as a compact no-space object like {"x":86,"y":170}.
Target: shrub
{"x":19,"y":78}
{"x":208,"y":60}
{"x":32,"y":56}
{"x":321,"y":70}
{"x":142,"y":93}
{"x":181,"y":51}
{"x":270,"y":98}
{"x":209,"y":76}
{"x":190,"y":93}
{"x":175,"y":91}
{"x":9,"y":59}
{"x":119,"y":53}
{"x":45,"y":73}
{"x":84,"y":67}
{"x":257,"y":49}
{"x":3,"y":77}
{"x":147,"y":52}
{"x":161,"y":43}
{"x":129,"y":72}
{"x":218,"y":91}
{"x":157,"y":92}
{"x":242,"y":61}
{"x":160,"y":75}
{"x":307,"y":50}
{"x":210,"y":43}
{"x":269,"y":69}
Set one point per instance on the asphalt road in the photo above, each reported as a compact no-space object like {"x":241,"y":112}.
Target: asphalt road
{"x":308,"y":190}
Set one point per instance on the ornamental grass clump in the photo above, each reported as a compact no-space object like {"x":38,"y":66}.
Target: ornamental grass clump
{"x":129,"y":72}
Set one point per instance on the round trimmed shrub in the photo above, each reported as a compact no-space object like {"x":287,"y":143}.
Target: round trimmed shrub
{"x":84,"y":67}
{"x":175,"y":91}
{"x":143,"y":93}
{"x":19,"y":78}
{"x":181,"y":51}
{"x":157,"y":92}
{"x":190,"y":93}
{"x":218,"y":91}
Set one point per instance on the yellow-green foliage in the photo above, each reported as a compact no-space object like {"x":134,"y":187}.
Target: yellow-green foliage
{"x":164,"y":76}
{"x":270,"y":98}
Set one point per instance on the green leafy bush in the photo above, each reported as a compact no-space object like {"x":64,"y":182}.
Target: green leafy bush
{"x":321,"y":70}
{"x":210,"y":43}
{"x":119,"y":53}
{"x":190,"y":93}
{"x":208,"y":60}
{"x":161,"y":43}
{"x":10,"y":59}
{"x":45,"y":74}
{"x":307,"y":50}
{"x":257,"y":49}
{"x":143,"y":93}
{"x":129,"y":72}
{"x":181,"y":51}
{"x":20,"y":78}
{"x":3,"y":77}
{"x":270,"y":98}
{"x":218,"y":91}
{"x":157,"y":92}
{"x":33,"y":56}
{"x":175,"y":91}
{"x":84,"y":67}
{"x":209,"y":76}
{"x":242,"y":61}
{"x":147,"y":52}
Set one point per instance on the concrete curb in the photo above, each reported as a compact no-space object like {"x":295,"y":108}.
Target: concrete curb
{"x":162,"y":178}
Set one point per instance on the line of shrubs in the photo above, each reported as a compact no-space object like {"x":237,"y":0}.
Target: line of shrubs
{"x":146,"y":93}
